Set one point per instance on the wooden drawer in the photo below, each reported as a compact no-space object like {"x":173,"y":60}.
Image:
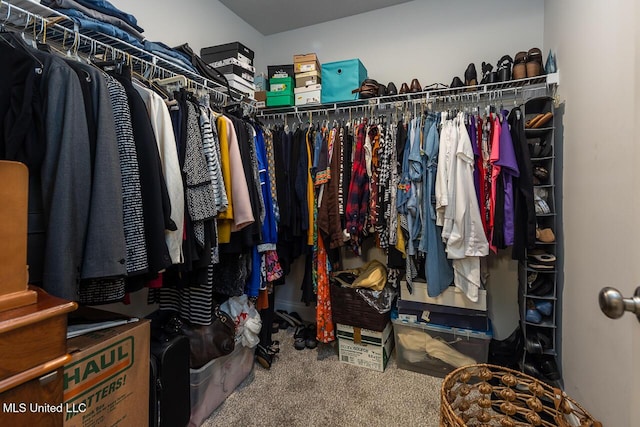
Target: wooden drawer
{"x":34,"y":403}
{"x":33,"y":335}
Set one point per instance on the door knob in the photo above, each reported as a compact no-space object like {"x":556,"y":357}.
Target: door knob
{"x":613,"y":304}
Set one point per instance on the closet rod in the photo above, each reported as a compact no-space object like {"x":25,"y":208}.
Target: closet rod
{"x":518,"y":91}
{"x":28,"y":16}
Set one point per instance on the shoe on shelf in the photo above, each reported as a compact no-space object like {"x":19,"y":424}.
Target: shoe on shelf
{"x":519,"y":70}
{"x":545,"y":235}
{"x":404,"y":88}
{"x":542,"y":286}
{"x":456,"y":83}
{"x":544,"y":307}
{"x":534,"y":63}
{"x":533,"y":316}
{"x":391,"y":89}
{"x":471,"y":75}
{"x":550,"y":67}
{"x":415,"y":86}
{"x":504,"y":68}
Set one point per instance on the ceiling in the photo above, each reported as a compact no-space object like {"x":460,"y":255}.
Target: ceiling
{"x":275,"y":16}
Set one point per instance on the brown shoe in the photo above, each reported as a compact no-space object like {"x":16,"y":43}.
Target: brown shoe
{"x":415,"y":86}
{"x":545,"y":235}
{"x":404,"y":88}
{"x":519,"y":66}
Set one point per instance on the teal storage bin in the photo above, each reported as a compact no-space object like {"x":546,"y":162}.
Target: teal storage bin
{"x":340,"y":78}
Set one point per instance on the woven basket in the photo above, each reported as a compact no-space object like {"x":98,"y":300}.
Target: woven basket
{"x":488,"y":395}
{"x":349,"y":308}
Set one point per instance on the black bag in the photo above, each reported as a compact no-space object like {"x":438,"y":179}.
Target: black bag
{"x":169,"y":388}
{"x":208,"y":342}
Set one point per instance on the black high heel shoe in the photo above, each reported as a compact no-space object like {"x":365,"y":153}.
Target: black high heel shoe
{"x":471,"y":75}
{"x":488,"y":75}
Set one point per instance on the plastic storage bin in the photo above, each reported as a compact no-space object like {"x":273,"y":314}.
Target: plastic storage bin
{"x":215,"y":381}
{"x":437,"y":350}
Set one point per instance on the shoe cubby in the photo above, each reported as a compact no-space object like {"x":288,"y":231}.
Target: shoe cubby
{"x":538,"y":273}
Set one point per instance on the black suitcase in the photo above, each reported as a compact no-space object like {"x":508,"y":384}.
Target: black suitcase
{"x":169,"y":389}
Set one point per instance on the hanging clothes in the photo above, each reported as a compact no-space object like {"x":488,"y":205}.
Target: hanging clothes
{"x":524,"y":208}
{"x":438,"y":268}
{"x":167,"y":148}
{"x":358,"y":196}
{"x":466,"y":242}
{"x":509,"y":172}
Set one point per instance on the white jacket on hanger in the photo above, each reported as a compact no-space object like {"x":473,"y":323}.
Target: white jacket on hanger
{"x":166,"y":140}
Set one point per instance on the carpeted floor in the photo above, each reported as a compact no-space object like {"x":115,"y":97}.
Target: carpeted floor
{"x":313,"y":388}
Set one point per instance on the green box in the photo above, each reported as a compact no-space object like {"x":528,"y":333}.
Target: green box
{"x":285,"y":85}
{"x":280,"y":99}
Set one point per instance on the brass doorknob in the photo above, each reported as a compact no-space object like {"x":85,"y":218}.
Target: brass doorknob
{"x":613,"y":304}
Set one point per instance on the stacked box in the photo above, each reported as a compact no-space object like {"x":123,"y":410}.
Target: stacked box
{"x":437,"y":350}
{"x":450,"y":308}
{"x":363,"y":347}
{"x":235,"y":62}
{"x":281,"y":92}
{"x":307,"y":78}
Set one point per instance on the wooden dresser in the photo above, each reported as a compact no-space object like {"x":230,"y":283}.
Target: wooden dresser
{"x":33,"y":352}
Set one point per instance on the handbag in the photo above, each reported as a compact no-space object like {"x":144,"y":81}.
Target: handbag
{"x":368,"y":89}
{"x":207,"y":342}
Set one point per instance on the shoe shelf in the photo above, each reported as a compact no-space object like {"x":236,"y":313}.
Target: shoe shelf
{"x":542,"y":151}
{"x":548,"y":323}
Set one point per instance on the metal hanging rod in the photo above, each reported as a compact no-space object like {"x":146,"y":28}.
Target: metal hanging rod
{"x":24,"y":15}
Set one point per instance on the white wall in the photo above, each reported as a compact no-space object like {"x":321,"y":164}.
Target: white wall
{"x":597,"y":47}
{"x":432,"y":41}
{"x":200,"y":23}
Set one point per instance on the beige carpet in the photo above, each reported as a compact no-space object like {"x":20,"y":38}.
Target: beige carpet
{"x":313,"y":388}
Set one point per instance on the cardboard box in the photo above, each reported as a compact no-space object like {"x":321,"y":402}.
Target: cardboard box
{"x":233,"y":61}
{"x":304,"y":57}
{"x":305,"y":67}
{"x":241,"y":85}
{"x":107,"y":381}
{"x":228,"y":50}
{"x":308,"y":95}
{"x":237,"y":71}
{"x":308,"y":79}
{"x":284,"y":84}
{"x":280,"y":71}
{"x":365,"y":348}
{"x":280,"y":99}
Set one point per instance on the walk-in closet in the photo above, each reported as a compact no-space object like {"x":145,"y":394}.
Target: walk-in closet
{"x":390,"y":212}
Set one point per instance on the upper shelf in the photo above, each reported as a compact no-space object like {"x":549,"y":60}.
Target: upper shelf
{"x":62,"y":30}
{"x":527,"y":88}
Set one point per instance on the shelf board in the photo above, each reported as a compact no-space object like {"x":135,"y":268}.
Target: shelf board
{"x":550,"y":214}
{"x":540,"y":159}
{"x":543,"y":324}
{"x":551,"y":297}
{"x":538,"y":131}
{"x":538,"y":242}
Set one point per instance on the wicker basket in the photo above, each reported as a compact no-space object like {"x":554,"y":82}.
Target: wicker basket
{"x":349,"y":308}
{"x":488,"y":395}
